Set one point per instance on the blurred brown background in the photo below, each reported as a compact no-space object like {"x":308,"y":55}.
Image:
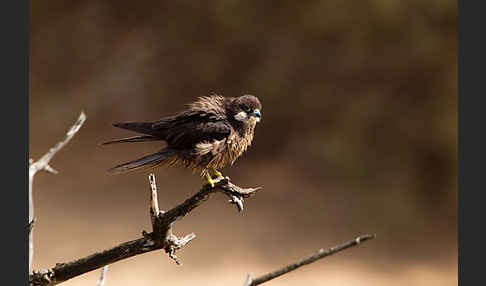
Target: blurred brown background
{"x":359,"y":135}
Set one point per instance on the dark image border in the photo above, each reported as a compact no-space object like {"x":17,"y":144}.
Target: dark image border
{"x":14,"y":17}
{"x":471,"y":142}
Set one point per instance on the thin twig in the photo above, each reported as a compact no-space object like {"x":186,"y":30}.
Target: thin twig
{"x":154,"y":202}
{"x":102,"y":279}
{"x":162,"y":229}
{"x":43,"y":165}
{"x":321,"y":253}
{"x":160,"y":238}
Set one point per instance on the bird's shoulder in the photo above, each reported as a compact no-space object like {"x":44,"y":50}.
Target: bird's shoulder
{"x":191,"y":117}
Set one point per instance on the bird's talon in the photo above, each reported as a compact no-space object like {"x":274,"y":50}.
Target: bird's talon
{"x":216,"y":175}
{"x":209,"y":181}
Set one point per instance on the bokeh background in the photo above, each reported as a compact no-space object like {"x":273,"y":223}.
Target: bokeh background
{"x":359,"y":135}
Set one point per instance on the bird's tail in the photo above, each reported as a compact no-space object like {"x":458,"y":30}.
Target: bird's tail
{"x":146,"y":162}
{"x":140,"y":127}
{"x":141,"y":138}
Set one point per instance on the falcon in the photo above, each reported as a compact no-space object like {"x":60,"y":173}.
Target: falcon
{"x":211,"y":134}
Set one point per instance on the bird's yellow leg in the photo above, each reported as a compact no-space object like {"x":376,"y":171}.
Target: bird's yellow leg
{"x":212,"y":176}
{"x":208,"y":180}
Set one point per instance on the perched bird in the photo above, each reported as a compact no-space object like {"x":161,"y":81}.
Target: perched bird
{"x":212,"y":133}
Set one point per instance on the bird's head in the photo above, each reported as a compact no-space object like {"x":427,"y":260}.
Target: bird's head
{"x":246,"y":109}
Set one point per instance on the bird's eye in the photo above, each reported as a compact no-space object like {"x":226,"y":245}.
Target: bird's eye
{"x":245,"y":108}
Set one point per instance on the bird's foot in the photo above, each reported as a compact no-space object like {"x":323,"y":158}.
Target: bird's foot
{"x":208,"y":180}
{"x":212,"y":177}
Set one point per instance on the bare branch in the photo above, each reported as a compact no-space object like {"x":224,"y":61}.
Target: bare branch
{"x":162,"y":229}
{"x":154,"y":202}
{"x":102,"y":279}
{"x":160,"y":238}
{"x":43,"y":164}
{"x":314,"y":257}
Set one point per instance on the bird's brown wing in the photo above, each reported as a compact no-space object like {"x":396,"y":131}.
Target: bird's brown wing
{"x":189,"y":128}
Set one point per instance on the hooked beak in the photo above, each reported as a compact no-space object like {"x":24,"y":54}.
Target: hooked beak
{"x":257,"y":114}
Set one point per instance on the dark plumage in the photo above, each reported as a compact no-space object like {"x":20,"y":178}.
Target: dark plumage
{"x":212,"y":133}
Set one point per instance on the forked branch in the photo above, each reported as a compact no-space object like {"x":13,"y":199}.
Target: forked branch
{"x":43,"y":165}
{"x":161,"y":236}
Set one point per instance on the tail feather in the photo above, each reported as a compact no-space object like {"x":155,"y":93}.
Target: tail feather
{"x":141,"y":138}
{"x":148,"y":161}
{"x":140,"y":127}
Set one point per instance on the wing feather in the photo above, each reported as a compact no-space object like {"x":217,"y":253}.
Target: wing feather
{"x":189,"y":128}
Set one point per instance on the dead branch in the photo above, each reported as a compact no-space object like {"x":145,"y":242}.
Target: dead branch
{"x":161,"y":236}
{"x":43,"y":165}
{"x":321,"y":253}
